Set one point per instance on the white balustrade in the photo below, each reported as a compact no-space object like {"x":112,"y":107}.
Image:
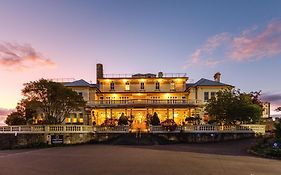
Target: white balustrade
{"x":260,"y":129}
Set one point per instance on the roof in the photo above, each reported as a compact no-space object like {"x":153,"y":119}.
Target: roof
{"x":79,"y":83}
{"x":189,"y":85}
{"x":206,"y":82}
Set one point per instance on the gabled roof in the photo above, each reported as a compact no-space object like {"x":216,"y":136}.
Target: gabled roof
{"x":206,"y":82}
{"x":78,"y":83}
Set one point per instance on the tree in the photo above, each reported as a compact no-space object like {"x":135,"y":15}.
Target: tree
{"x":123,"y":120}
{"x":155,"y":119}
{"x":53,"y":100}
{"x":221,"y":106}
{"x":231,"y":106}
{"x":278,"y":130}
{"x":15,"y":118}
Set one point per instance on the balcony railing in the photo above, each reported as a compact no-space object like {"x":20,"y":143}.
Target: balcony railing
{"x":47,"y":129}
{"x":144,"y":102}
{"x":259,"y":129}
{"x":130,"y":75}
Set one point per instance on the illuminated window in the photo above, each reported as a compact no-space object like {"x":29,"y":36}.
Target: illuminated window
{"x":127,"y":86}
{"x":172,"y":87}
{"x":73,"y":117}
{"x":67,"y":120}
{"x":142,"y":85}
{"x":206,"y":96}
{"x":112,"y":85}
{"x":157,"y":85}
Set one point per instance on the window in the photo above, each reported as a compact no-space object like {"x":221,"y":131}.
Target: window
{"x":206,"y":96}
{"x":127,"y":86}
{"x":142,"y":85}
{"x":80,"y":118}
{"x":80,"y":93}
{"x":213,"y":94}
{"x":172,"y":86}
{"x":157,"y":86}
{"x":112,"y":85}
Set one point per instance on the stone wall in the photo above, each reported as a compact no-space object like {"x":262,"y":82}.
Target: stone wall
{"x":10,"y":141}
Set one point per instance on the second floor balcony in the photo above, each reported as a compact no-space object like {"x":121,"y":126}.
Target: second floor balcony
{"x":145,"y":103}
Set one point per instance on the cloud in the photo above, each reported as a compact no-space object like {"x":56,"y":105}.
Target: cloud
{"x":3,"y":114}
{"x":200,"y":56}
{"x":4,"y":111}
{"x":250,"y":44}
{"x":257,"y":44}
{"x":273,"y":98}
{"x":18,"y":57}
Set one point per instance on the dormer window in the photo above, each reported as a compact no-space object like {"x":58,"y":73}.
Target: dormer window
{"x":112,"y":86}
{"x":172,"y":86}
{"x":127,"y":86}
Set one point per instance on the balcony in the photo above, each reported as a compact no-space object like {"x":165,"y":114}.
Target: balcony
{"x":144,"y":103}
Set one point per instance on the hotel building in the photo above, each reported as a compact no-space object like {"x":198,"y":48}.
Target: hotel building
{"x":139,"y":96}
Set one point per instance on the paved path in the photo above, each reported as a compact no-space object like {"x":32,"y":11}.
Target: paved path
{"x":228,"y":158}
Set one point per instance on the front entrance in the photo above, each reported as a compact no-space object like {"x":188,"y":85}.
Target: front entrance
{"x":139,"y":122}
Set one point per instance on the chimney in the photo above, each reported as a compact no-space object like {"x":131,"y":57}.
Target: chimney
{"x":217,"y":77}
{"x":99,"y":72}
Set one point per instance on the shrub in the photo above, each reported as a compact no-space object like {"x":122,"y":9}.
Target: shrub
{"x":169,"y":125}
{"x":155,"y":119}
{"x":123,"y":120}
{"x":109,"y":122}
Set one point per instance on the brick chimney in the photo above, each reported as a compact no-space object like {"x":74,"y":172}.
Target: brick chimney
{"x":99,"y":71}
{"x":217,"y":77}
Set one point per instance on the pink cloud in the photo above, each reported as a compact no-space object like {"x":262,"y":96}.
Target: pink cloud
{"x":250,"y":44}
{"x":3,"y":115}
{"x":15,"y":56}
{"x":256,"y":45}
{"x":212,"y":43}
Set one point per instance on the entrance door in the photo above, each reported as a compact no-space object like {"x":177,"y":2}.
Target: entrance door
{"x":139,"y":121}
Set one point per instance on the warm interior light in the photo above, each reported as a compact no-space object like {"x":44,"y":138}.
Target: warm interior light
{"x":124,"y":80}
{"x":179,"y":80}
{"x":114,"y":95}
{"x":166,"y":95}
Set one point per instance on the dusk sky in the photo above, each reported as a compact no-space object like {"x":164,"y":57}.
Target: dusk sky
{"x":65,"y":39}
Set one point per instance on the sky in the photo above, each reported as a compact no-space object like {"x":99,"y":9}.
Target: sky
{"x":65,"y":39}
